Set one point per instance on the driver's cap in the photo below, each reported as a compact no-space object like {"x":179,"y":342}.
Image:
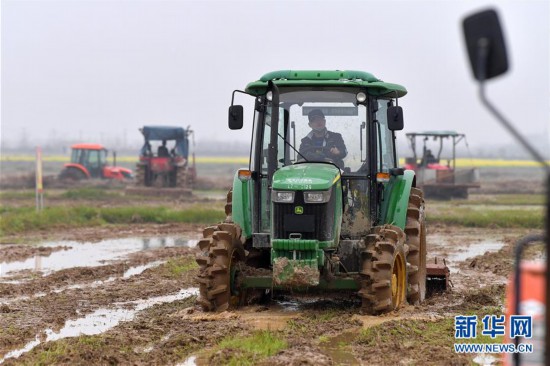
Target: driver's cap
{"x":315,"y":113}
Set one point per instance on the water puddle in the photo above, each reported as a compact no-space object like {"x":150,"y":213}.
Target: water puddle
{"x":102,"y":320}
{"x":458,"y":250}
{"x":485,"y":360}
{"x":474,"y":250}
{"x":88,"y":254}
{"x":133,"y":271}
{"x":268,"y":320}
{"x":338,"y":348}
{"x":292,"y":305}
{"x":200,"y":359}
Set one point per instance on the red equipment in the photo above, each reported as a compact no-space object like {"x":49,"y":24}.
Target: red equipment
{"x":90,"y":161}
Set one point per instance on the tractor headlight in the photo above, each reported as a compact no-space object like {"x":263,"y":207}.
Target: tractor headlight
{"x":317,"y":196}
{"x":282,"y":196}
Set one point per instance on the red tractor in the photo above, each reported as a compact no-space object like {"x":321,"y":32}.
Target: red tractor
{"x":90,"y":161}
{"x":165,"y":166}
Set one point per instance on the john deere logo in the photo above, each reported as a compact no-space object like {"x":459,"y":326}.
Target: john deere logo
{"x":298,"y":210}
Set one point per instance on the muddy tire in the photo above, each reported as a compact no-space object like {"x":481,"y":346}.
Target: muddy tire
{"x":72,"y":174}
{"x":383,"y":273}
{"x":415,"y":231}
{"x":140,"y":175}
{"x":221,"y":253}
{"x":181,"y":178}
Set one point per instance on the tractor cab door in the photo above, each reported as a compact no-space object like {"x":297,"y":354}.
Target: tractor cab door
{"x":262,"y":197}
{"x":78,"y":156}
{"x":96,"y":162}
{"x":386,"y":160}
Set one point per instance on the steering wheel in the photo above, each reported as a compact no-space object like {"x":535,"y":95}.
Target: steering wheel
{"x":316,"y":154}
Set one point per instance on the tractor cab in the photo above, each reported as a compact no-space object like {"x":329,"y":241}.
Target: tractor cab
{"x":90,"y":161}
{"x":323,"y":204}
{"x":315,"y":151}
{"x":92,"y":157}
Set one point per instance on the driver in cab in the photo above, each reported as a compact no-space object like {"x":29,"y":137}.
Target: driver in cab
{"x":321,"y":144}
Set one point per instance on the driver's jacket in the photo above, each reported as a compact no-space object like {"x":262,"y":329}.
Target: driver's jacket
{"x":312,"y":150}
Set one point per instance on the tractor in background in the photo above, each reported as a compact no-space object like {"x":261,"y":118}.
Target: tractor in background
{"x":166,"y":164}
{"x":311,"y":217}
{"x":435,"y":174}
{"x":90,"y":161}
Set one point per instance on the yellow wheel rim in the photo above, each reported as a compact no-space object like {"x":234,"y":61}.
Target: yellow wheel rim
{"x":398,"y":281}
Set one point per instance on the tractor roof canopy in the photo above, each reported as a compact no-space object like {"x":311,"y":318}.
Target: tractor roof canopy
{"x":329,"y":78}
{"x":435,"y":134}
{"x":160,"y":133}
{"x":88,"y":146}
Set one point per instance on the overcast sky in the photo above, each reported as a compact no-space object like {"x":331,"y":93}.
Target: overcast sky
{"x":96,"y":69}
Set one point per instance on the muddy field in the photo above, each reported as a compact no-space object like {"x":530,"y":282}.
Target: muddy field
{"x":126,"y":294}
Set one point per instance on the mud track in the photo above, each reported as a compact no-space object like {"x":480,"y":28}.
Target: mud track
{"x":35,"y":307}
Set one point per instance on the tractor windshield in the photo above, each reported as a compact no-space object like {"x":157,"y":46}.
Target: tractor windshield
{"x":320,"y":124}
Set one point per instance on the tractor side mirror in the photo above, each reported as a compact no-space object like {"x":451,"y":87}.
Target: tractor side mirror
{"x":485,"y":44}
{"x":235,"y":117}
{"x":395,"y":118}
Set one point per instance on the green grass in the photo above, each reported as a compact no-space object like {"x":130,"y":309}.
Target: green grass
{"x":427,"y":335}
{"x":506,"y":199}
{"x":89,"y":194}
{"x":23,"y":219}
{"x":175,"y":267}
{"x":487,"y":218}
{"x":251,"y":349}
{"x":51,"y":353}
{"x":14,"y":195}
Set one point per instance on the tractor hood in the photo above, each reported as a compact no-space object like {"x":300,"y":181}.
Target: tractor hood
{"x":306,"y":176}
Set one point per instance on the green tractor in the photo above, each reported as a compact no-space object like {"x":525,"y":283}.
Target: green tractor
{"x":319,"y":215}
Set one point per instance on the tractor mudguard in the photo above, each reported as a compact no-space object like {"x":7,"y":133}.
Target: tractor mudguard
{"x":396,"y":199}
{"x":79,"y":167}
{"x":242,"y":205}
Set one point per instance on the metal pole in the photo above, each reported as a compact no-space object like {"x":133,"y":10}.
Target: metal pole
{"x":483,"y":50}
{"x":454,"y":156}
{"x":38,"y":180}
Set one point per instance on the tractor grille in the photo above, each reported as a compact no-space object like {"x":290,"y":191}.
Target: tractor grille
{"x":315,"y":223}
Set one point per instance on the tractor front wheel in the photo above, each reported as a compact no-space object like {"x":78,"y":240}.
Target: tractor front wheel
{"x":383,"y":273}
{"x":221,"y":254}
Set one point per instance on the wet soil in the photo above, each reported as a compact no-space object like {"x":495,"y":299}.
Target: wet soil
{"x":317,"y":330}
{"x":98,"y":233}
{"x":11,"y":253}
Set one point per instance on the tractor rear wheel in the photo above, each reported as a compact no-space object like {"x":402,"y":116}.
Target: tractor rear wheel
{"x":383,"y":273}
{"x":221,"y":254}
{"x":415,"y":230}
{"x":181,"y":177}
{"x":72,"y":174}
{"x":140,"y":175}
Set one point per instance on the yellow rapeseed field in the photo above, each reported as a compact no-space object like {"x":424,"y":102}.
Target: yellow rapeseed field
{"x":461,"y":163}
{"x":128,"y":159}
